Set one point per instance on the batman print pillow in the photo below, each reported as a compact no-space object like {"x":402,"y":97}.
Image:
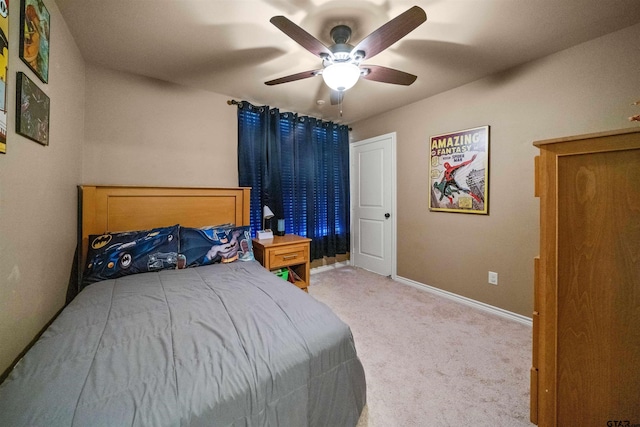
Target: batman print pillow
{"x":115,"y":255}
{"x":202,"y":246}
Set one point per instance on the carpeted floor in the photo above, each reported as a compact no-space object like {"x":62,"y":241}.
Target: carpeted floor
{"x":430,"y":361}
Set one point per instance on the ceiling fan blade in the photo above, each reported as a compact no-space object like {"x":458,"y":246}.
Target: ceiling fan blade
{"x":301,"y":37}
{"x":293,"y":77}
{"x":336,"y":97}
{"x":391,"y":32}
{"x":387,"y":75}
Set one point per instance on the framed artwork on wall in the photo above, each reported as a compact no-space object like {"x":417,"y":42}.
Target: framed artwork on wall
{"x":459,"y":171}
{"x":34,"y":37}
{"x":4,"y":72}
{"x":32,"y":110}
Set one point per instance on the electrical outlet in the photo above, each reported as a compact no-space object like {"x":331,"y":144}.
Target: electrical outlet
{"x":493,"y":278}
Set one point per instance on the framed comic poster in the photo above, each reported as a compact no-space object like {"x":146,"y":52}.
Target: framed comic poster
{"x":34,"y":37}
{"x":4,"y":71}
{"x":459,"y":171}
{"x":32,"y":110}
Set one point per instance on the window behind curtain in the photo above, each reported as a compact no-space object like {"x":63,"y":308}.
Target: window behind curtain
{"x":251,"y":127}
{"x":303,"y":175}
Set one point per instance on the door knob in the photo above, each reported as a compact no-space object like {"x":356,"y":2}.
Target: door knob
{"x":387,"y":215}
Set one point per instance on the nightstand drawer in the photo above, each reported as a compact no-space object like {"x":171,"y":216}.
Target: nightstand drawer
{"x":289,"y":255}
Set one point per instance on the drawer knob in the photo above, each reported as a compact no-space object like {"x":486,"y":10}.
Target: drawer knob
{"x":290,"y":256}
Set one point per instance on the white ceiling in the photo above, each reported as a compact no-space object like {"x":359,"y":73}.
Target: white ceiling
{"x":230,"y":47}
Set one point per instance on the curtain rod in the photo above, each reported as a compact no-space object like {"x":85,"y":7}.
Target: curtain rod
{"x":234,"y":102}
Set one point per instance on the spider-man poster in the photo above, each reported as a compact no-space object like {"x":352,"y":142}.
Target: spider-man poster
{"x":4,"y":74}
{"x":459,"y":171}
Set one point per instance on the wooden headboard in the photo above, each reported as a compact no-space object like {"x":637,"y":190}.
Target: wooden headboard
{"x":104,"y":209}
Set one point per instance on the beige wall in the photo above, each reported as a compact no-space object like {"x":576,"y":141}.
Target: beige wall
{"x":38,"y":194}
{"x":588,"y":88}
{"x":143,"y":131}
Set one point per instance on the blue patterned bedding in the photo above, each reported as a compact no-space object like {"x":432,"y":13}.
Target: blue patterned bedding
{"x":217,"y":345}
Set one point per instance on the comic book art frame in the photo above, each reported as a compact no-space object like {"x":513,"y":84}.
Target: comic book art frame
{"x":32,"y":110}
{"x":35,"y":34}
{"x":4,"y":72}
{"x":459,"y":171}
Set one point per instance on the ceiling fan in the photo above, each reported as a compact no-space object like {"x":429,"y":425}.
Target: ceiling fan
{"x":341,"y":62}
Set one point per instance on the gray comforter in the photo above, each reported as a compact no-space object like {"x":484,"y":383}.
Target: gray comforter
{"x":219,"y":345}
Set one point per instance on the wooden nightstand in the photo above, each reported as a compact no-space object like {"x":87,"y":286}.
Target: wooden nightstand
{"x":290,"y":251}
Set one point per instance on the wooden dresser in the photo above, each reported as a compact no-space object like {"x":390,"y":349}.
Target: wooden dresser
{"x":290,"y":251}
{"x":586,"y":320}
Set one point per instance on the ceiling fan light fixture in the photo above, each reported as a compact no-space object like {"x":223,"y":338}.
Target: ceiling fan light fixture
{"x":341,"y":76}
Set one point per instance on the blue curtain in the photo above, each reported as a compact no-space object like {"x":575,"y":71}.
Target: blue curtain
{"x":299,"y":167}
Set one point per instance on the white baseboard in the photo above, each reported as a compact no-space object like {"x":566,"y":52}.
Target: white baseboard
{"x":467,"y":301}
{"x":322,"y":268}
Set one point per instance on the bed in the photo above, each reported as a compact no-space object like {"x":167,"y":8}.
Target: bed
{"x":222,"y":344}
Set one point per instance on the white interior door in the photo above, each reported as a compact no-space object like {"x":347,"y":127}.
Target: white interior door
{"x":373,"y":223}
